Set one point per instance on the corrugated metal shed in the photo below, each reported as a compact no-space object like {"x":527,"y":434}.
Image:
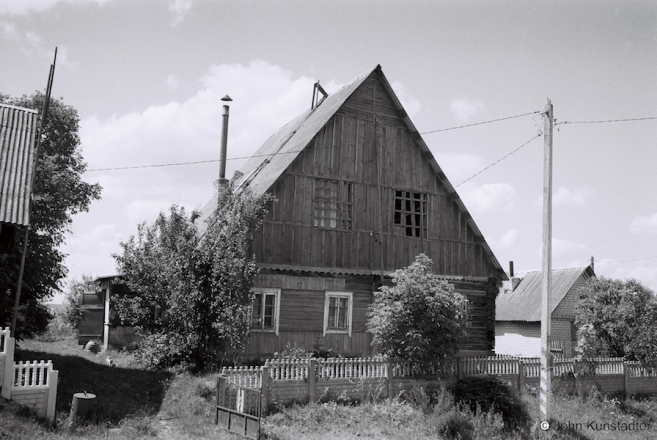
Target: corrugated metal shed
{"x":280,"y":150}
{"x":524,"y":303}
{"x":18,"y":128}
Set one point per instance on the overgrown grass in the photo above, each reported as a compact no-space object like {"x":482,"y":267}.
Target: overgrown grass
{"x":133,"y":404}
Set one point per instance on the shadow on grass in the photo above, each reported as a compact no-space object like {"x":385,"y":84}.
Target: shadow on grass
{"x":120,"y":392}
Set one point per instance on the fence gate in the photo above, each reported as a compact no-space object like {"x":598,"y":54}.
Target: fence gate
{"x":238,"y":408}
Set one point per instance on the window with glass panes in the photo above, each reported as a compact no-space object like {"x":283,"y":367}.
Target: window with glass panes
{"x":333,"y":204}
{"x":337,"y":313}
{"x":411,"y":213}
{"x":263,"y":313}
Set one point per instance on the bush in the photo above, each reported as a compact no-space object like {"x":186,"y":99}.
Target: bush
{"x":491,"y":394}
{"x":158,"y":351}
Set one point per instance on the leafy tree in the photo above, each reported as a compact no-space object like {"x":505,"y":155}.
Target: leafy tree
{"x":617,"y":318}
{"x":59,"y":193}
{"x":419,"y":318}
{"x":193,"y":291}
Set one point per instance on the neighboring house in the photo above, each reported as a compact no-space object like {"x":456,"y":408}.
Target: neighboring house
{"x":18,"y":128}
{"x":359,"y":195}
{"x":518,"y":313}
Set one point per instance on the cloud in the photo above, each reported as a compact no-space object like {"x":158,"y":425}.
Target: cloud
{"x":9,"y":30}
{"x":464,"y":109}
{"x":460,"y":166}
{"x":23,"y":7}
{"x":488,"y":197}
{"x":172,"y":82}
{"x":31,"y":45}
{"x":566,"y":197}
{"x":567,"y":253}
{"x":410,"y":104}
{"x":644,"y":224}
{"x":179,"y":8}
{"x":507,"y":240}
{"x":643,"y":271}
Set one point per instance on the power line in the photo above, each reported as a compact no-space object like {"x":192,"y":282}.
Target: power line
{"x":417,"y":210}
{"x":606,"y":121}
{"x":480,"y":123}
{"x":499,"y":160}
{"x":290,"y":152}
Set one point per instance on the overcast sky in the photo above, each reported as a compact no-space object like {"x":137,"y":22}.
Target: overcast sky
{"x":147,"y":76}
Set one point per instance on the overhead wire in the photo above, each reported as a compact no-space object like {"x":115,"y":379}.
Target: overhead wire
{"x":296,"y":151}
{"x":605,"y":121}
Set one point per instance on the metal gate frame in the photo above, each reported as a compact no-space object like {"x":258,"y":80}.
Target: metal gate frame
{"x":238,"y":408}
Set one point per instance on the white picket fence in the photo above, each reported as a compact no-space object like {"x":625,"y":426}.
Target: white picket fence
{"x":375,"y":367}
{"x":32,"y":384}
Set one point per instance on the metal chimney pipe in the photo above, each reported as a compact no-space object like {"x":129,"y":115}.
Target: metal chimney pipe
{"x":511,"y":269}
{"x":224,"y":139}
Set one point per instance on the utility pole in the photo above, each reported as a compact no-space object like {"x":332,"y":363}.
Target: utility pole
{"x":546,"y":355}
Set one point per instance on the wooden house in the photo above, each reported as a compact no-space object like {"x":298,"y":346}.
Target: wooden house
{"x":518,"y":313}
{"x":359,"y":196}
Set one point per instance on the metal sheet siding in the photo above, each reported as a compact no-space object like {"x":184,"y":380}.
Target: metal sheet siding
{"x":17,"y":136}
{"x":524,"y":303}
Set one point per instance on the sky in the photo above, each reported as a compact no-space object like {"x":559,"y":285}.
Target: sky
{"x":147,"y":76}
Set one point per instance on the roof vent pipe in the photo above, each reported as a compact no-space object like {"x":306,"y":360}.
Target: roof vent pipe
{"x":224,"y":139}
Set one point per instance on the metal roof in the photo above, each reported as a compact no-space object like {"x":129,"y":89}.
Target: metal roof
{"x":280,"y":150}
{"x":524,"y":303}
{"x":17,"y":135}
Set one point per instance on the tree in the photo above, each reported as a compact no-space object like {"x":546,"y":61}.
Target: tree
{"x":617,"y":318}
{"x":193,"y":291}
{"x":419,"y":318}
{"x":59,"y":193}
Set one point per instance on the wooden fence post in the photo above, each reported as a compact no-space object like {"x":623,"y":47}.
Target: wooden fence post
{"x":312,"y":369}
{"x":521,"y":375}
{"x":53,"y":379}
{"x":264,"y":390}
{"x":459,"y":368}
{"x":8,"y":380}
{"x":626,"y":373}
{"x":391,"y":385}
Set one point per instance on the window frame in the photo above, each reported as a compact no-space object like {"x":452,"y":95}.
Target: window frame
{"x":404,"y":219}
{"x":350,"y":307}
{"x":267,"y":291}
{"x":326,"y":203}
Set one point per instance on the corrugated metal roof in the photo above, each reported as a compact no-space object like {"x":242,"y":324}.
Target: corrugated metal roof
{"x":17,"y":135}
{"x":280,"y":150}
{"x":524,"y":303}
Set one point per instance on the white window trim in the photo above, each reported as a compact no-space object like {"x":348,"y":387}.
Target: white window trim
{"x":328,"y":296}
{"x":277,"y":309}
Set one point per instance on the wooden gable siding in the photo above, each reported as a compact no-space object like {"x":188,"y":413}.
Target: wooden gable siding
{"x":343,"y":150}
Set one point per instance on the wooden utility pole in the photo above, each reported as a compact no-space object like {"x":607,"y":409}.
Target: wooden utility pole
{"x":42,"y":125}
{"x":546,"y":355}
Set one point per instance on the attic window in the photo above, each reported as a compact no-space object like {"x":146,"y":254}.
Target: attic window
{"x":333,"y":204}
{"x":411,"y":213}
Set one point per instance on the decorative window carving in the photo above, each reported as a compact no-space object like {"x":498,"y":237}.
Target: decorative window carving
{"x":337,"y":312}
{"x":410,"y":214}
{"x":333,"y":204}
{"x":265,"y":309}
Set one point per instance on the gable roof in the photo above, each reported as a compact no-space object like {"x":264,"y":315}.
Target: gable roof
{"x":524,"y":303}
{"x":17,"y":135}
{"x":283,"y":147}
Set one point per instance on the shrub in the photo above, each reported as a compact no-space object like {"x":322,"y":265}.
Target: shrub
{"x":158,"y":351}
{"x":491,"y":394}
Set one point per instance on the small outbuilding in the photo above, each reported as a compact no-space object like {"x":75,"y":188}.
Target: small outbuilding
{"x":518,"y":313}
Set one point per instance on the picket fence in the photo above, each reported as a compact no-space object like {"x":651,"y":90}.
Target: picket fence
{"x":32,"y":384}
{"x":290,"y":370}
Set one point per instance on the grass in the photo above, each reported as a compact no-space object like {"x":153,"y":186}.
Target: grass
{"x":136,"y":404}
